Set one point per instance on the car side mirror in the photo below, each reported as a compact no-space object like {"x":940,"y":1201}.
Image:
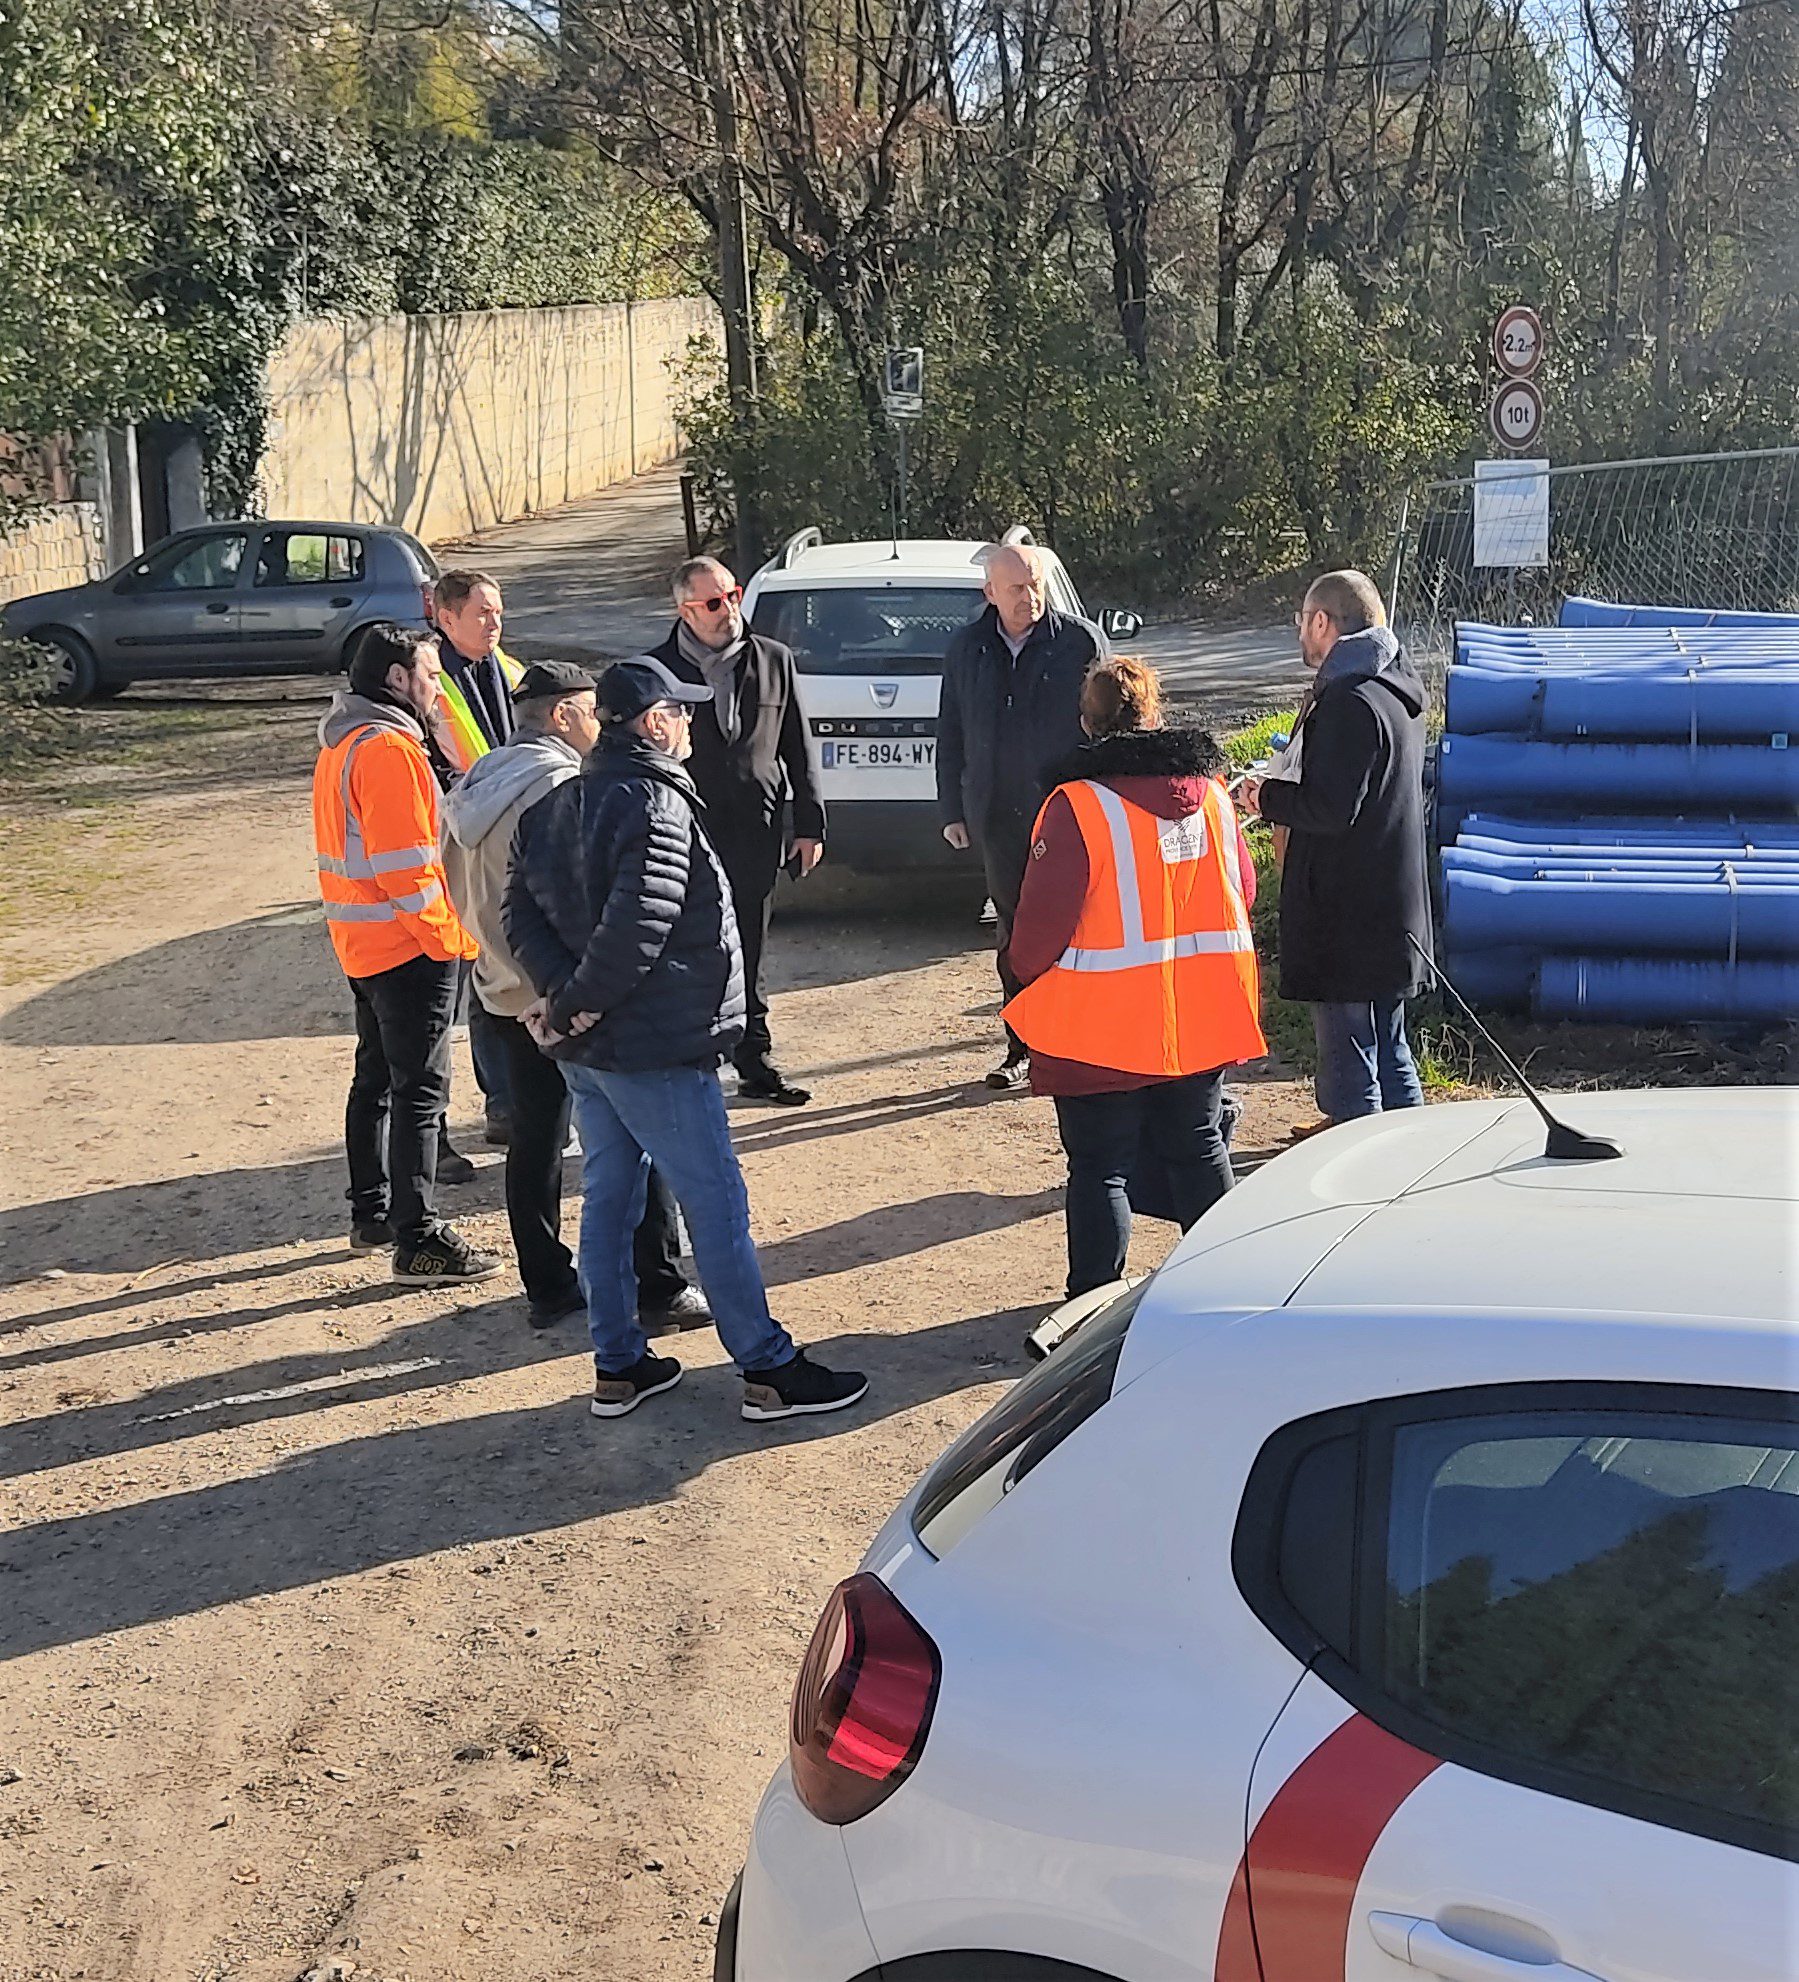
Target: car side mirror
{"x":1116,"y":624}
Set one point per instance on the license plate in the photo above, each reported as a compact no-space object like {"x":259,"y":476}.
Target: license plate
{"x":900,"y":753}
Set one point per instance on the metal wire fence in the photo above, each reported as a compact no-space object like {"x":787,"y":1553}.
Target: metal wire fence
{"x":1718,"y":531}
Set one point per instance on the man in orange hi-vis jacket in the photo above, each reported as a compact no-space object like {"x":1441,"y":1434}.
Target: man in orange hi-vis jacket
{"x":374,"y":823}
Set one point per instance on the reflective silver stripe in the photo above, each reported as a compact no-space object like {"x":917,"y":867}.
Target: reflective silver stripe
{"x":1159,"y":949}
{"x":387,"y":911}
{"x":1138,"y":949}
{"x":359,"y":867}
{"x":1232,"y":840}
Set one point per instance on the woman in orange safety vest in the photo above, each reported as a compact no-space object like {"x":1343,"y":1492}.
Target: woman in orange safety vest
{"x":1140,"y":986}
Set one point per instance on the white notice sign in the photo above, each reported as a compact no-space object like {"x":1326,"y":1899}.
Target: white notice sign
{"x":1511,"y":514}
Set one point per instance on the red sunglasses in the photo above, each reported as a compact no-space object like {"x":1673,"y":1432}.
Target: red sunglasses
{"x":719,"y":600}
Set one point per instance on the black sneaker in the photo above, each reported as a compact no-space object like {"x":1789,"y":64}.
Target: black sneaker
{"x":444,"y":1258}
{"x":546,"y":1314}
{"x":497,"y":1130}
{"x":1011,"y":1076}
{"x":616,"y":1393}
{"x":370,"y":1235}
{"x":687,"y":1309}
{"x":452,"y":1166}
{"x":799,"y":1389}
{"x":762,"y":1082}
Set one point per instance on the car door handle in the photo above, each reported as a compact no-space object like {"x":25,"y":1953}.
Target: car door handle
{"x":219,"y":605}
{"x":1423,"y":1944}
{"x":344,"y":600}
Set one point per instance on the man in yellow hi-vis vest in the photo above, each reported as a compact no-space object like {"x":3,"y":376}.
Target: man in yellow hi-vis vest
{"x":475,"y":715}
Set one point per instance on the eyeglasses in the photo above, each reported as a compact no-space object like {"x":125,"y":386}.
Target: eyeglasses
{"x":719,"y":600}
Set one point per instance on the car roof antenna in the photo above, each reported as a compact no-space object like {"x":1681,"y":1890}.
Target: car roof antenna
{"x":1564,"y":1145}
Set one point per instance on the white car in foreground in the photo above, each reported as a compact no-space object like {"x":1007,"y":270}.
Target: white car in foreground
{"x":1403,"y":1582}
{"x":868,"y":624}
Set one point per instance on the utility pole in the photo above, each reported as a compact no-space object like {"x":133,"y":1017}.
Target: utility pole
{"x":735,"y":292}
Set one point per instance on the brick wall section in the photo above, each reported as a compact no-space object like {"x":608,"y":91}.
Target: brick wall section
{"x":447,"y":424}
{"x":57,"y":545}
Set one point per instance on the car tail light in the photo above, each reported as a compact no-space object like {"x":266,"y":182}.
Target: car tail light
{"x":863,"y":1702}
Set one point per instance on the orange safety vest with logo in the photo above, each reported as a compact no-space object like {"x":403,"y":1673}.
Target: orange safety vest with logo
{"x":1160,"y":976}
{"x":374,"y":825}
{"x":460,"y":730}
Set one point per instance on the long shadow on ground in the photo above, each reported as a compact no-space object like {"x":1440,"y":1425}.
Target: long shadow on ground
{"x":399,"y":1494}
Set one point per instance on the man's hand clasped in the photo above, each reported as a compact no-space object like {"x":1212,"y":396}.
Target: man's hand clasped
{"x":957,"y":835}
{"x":536,"y":1020}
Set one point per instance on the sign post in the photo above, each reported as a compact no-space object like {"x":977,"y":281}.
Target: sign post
{"x":1511,"y":497}
{"x":902,"y":394}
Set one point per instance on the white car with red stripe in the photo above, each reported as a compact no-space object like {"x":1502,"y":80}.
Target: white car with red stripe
{"x":1403,"y":1582}
{"x":868,"y":624}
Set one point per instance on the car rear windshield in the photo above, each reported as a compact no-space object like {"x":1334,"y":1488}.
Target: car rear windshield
{"x":887,"y":629}
{"x":423,"y":562}
{"x":1024,"y":1428}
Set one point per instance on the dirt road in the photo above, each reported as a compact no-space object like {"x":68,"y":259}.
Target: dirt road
{"x":336,"y":1628}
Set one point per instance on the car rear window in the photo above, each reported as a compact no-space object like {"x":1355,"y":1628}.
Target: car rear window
{"x":423,"y":562}
{"x":887,"y":629}
{"x":1024,"y":1428}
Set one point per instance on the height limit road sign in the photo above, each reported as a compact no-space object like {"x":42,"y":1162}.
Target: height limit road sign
{"x":1518,"y":342}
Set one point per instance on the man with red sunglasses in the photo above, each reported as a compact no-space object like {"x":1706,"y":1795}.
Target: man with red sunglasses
{"x":750,"y":763}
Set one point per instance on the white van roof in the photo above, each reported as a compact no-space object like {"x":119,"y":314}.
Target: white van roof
{"x":913,"y":560}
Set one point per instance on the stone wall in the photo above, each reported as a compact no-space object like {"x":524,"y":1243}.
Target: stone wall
{"x":58,"y":545}
{"x":448,"y":424}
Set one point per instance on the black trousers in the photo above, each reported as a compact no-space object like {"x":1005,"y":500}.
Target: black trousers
{"x":540,"y":1113}
{"x":1005,"y":849}
{"x":753,"y":897}
{"x":1177,"y":1125}
{"x":398,"y":1093}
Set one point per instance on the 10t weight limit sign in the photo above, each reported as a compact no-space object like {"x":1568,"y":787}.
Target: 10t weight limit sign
{"x":1517,"y":414}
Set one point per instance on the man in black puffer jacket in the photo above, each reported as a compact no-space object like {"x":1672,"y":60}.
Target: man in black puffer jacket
{"x":619,"y":912}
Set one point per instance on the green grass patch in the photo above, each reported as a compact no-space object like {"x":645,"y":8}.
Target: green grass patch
{"x":1244,"y":746}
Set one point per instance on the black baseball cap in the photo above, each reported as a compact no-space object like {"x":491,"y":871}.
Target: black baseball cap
{"x":628,"y":688}
{"x":543,"y":678}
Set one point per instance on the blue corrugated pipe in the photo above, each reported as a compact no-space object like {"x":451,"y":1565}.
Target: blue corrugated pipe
{"x":1666,"y":990}
{"x":1490,"y":911}
{"x":1473,"y":770}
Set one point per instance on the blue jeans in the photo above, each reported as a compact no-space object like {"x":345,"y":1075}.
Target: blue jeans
{"x":675,"y":1118}
{"x":1365,"y":1061}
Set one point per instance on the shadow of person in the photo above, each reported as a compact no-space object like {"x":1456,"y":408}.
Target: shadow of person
{"x":271,"y":977}
{"x":129,"y":1228}
{"x":399,"y":1494}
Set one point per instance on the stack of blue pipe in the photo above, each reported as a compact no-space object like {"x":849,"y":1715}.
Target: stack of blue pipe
{"x":1618,"y":807}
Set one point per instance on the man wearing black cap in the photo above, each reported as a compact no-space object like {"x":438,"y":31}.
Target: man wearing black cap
{"x":556,"y":725}
{"x":620,"y":913}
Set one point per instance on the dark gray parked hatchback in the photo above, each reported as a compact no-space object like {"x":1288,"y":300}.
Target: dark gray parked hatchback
{"x":229,"y":599}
